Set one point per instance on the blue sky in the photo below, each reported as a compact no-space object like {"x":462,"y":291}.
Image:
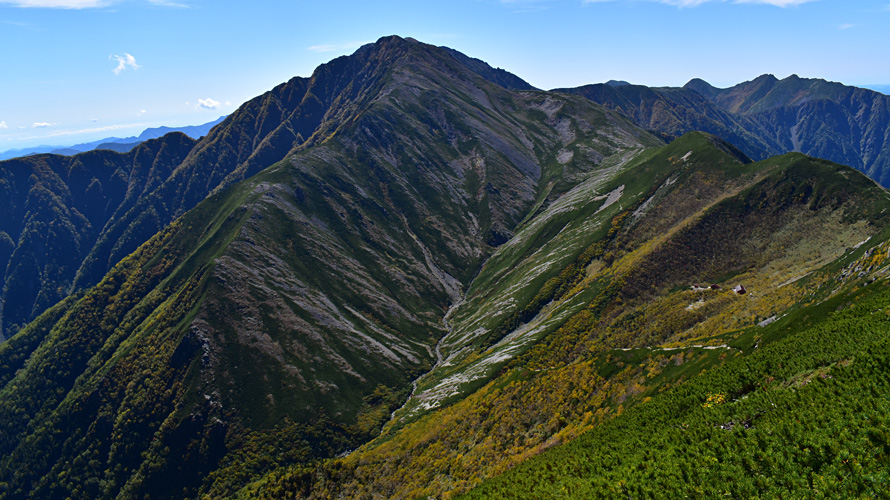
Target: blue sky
{"x":80,"y":70}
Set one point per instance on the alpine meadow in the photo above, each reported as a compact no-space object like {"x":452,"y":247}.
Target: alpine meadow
{"x":414,"y":275}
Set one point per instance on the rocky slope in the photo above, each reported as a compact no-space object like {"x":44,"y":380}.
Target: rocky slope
{"x":298,"y":305}
{"x":295,"y":115}
{"x":603,"y":302}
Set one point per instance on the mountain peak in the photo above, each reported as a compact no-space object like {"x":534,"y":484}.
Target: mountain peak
{"x":702,"y":87}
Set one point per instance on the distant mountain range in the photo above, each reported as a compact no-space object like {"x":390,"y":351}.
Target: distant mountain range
{"x":765,"y":117}
{"x":121,"y":145}
{"x":412,"y":274}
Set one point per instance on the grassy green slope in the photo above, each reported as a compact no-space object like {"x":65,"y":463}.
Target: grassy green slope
{"x":790,"y":229}
{"x":533,"y":284}
{"x":803,"y":415}
{"x":750,"y":428}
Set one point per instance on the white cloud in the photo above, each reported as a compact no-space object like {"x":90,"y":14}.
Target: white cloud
{"x":42,"y":125}
{"x":123,"y":62}
{"x":335,"y":47}
{"x":208,"y":103}
{"x":696,"y":3}
{"x":141,"y":112}
{"x":3,"y":125}
{"x":59,"y":4}
{"x":82,"y":4}
{"x":845,"y":26}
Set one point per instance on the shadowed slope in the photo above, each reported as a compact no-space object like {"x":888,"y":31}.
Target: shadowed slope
{"x":54,"y":210}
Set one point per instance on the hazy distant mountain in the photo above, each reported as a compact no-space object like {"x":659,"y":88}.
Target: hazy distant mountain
{"x":884,"y":89}
{"x":193,"y":131}
{"x":119,"y":147}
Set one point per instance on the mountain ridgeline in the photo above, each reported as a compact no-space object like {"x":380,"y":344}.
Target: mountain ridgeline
{"x":293,"y":116}
{"x":55,"y":208}
{"x":766,"y":116}
{"x":411,"y":273}
{"x":298,"y":304}
{"x":119,"y":144}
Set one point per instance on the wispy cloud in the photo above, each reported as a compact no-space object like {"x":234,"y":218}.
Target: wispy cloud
{"x":685,"y":3}
{"x":696,"y":3}
{"x":208,"y":103}
{"x":59,"y":4}
{"x":845,"y":26}
{"x":527,"y":5}
{"x":3,"y":125}
{"x":26,"y":26}
{"x":777,"y":3}
{"x":336,"y":47}
{"x":42,"y":125}
{"x":62,"y":133}
{"x":83,"y":4}
{"x":170,"y":3}
{"x":123,"y":62}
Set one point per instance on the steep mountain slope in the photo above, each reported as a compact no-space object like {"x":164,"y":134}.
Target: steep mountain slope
{"x":604,"y":303}
{"x":293,"y":116}
{"x":844,"y":124}
{"x":410,"y":273}
{"x":767,"y":116}
{"x":54,"y":209}
{"x":292,"y":309}
{"x":676,"y":111}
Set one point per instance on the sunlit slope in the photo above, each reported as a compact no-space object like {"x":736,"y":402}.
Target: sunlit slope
{"x":801,"y":414}
{"x":613,"y":323}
